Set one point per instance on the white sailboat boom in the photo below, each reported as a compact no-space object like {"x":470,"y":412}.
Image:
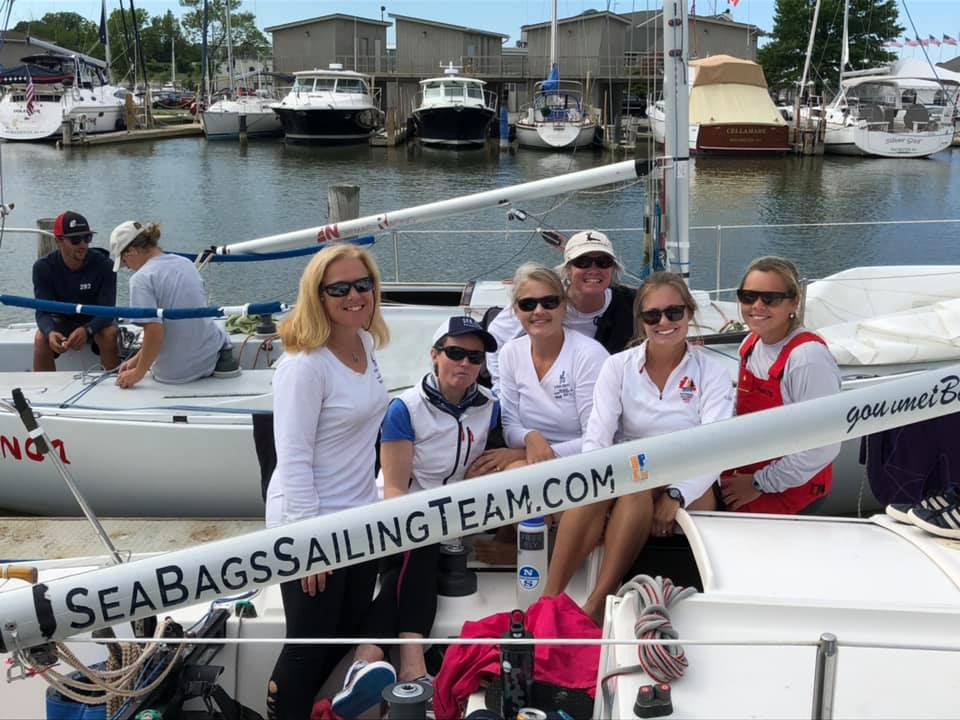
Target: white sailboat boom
{"x":502,"y":197}
{"x":85,"y":602}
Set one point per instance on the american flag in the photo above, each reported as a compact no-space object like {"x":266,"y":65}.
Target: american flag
{"x":31,"y":97}
{"x":733,"y":2}
{"x":911,"y":42}
{"x":934,"y":41}
{"x":947,"y":40}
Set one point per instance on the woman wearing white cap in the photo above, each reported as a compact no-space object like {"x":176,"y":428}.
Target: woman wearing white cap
{"x":178,"y":351}
{"x":597,"y":305}
{"x":432,"y":435}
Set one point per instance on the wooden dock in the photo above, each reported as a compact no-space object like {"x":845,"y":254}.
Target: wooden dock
{"x":128,"y":136}
{"x":55,"y":538}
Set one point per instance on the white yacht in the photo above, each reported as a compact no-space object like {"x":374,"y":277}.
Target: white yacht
{"x":454,"y":110}
{"x":64,"y":87}
{"x":221,"y":121}
{"x":882,"y":113}
{"x":329,"y":106}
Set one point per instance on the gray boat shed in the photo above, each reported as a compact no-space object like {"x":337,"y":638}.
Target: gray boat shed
{"x":356,"y":43}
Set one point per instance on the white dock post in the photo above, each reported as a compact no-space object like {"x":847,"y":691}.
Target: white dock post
{"x":343,"y":203}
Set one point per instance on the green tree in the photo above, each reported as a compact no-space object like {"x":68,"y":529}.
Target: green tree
{"x":68,"y":30}
{"x":248,"y":41}
{"x":871,"y":24}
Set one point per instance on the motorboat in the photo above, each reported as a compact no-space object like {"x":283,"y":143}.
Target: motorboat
{"x":64,"y":87}
{"x":329,"y":106}
{"x":454,"y":110}
{"x":557,"y":118}
{"x":730,"y":109}
{"x":221,"y":121}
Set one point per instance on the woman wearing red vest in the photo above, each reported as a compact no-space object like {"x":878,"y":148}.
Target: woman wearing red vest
{"x":780,"y":363}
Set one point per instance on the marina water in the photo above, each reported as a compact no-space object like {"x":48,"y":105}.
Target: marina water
{"x":205,"y":193}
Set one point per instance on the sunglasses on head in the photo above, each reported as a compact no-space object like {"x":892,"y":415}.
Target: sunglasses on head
{"x":548,"y":302}
{"x":770,"y":299}
{"x":78,"y":239}
{"x":342,"y":289}
{"x":586,"y":261}
{"x":456,"y":353}
{"x":653,"y":315}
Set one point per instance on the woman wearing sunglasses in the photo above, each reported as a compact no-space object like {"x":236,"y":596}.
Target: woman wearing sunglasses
{"x":659,"y":386}
{"x":596,"y":305}
{"x":432,"y":436}
{"x":546,"y":375}
{"x":328,"y":402}
{"x":780,"y":363}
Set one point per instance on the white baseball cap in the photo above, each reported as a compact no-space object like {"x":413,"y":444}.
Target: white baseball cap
{"x":588,"y":241}
{"x":122,"y":235}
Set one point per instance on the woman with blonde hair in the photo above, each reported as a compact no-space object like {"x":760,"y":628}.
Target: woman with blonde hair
{"x":328,"y":402}
{"x":780,"y":363}
{"x":658,"y":386}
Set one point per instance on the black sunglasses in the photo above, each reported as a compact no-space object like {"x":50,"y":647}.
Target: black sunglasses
{"x":673,"y":313}
{"x":77,"y":239}
{"x":770,"y":299}
{"x":457,"y":354}
{"x":585,"y":261}
{"x":548,"y":302}
{"x":341,"y":289}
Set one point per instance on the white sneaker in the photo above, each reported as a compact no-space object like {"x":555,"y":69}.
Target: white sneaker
{"x":362,"y":687}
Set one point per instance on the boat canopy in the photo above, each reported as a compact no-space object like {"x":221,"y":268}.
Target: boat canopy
{"x":726,"y":69}
{"x":22,"y":74}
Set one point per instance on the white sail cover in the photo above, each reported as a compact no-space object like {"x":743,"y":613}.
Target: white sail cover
{"x":888,"y":315}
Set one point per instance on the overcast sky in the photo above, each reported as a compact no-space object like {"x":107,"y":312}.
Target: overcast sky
{"x":934,"y":17}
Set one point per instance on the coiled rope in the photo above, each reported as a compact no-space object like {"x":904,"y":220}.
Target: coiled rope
{"x":663,"y":663}
{"x":110,"y":683}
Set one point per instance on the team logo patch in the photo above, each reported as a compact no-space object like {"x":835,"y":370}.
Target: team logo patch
{"x":639,"y":465}
{"x":688,"y":388}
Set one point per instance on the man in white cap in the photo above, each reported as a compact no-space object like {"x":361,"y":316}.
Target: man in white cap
{"x":597,"y":305}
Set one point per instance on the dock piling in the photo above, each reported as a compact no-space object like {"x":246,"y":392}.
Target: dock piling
{"x":45,"y":241}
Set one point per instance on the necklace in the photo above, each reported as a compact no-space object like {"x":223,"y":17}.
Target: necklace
{"x":356,"y":358}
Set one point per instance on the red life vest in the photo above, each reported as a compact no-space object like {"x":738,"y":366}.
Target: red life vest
{"x":754,"y":394}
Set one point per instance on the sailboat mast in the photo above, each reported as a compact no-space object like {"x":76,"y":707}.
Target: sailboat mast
{"x":205,"y":61}
{"x":106,"y":40}
{"x":173,"y":57}
{"x":845,"y":56}
{"x":676,"y":96}
{"x":229,"y":48}
{"x":553,"y":36}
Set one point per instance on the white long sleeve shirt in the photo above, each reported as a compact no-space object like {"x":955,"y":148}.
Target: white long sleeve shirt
{"x":559,"y":404}
{"x":811,"y":372}
{"x":506,"y":326}
{"x":325,"y":424}
{"x":627,"y":404}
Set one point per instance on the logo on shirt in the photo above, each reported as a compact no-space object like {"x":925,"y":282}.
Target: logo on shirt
{"x":687,"y":388}
{"x":562,"y":390}
{"x":639,"y":465}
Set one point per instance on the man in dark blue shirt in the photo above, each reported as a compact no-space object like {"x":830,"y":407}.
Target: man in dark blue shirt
{"x":74,"y":273}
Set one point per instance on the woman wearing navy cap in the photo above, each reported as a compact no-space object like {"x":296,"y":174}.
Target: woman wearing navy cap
{"x":432,"y":435}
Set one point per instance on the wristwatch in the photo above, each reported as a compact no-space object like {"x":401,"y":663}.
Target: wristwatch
{"x":675,"y":494}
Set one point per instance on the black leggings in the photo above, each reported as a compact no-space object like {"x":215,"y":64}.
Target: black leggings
{"x":339,"y":611}
{"x":407,"y":602}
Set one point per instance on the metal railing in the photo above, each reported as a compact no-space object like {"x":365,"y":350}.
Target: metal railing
{"x":522,"y":67}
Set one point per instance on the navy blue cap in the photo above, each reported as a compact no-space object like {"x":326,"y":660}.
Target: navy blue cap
{"x":465,"y":325}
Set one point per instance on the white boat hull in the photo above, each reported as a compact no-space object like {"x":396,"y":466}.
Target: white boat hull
{"x":105,"y":115}
{"x":222,"y":120}
{"x":875,"y":140}
{"x":556,"y":136}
